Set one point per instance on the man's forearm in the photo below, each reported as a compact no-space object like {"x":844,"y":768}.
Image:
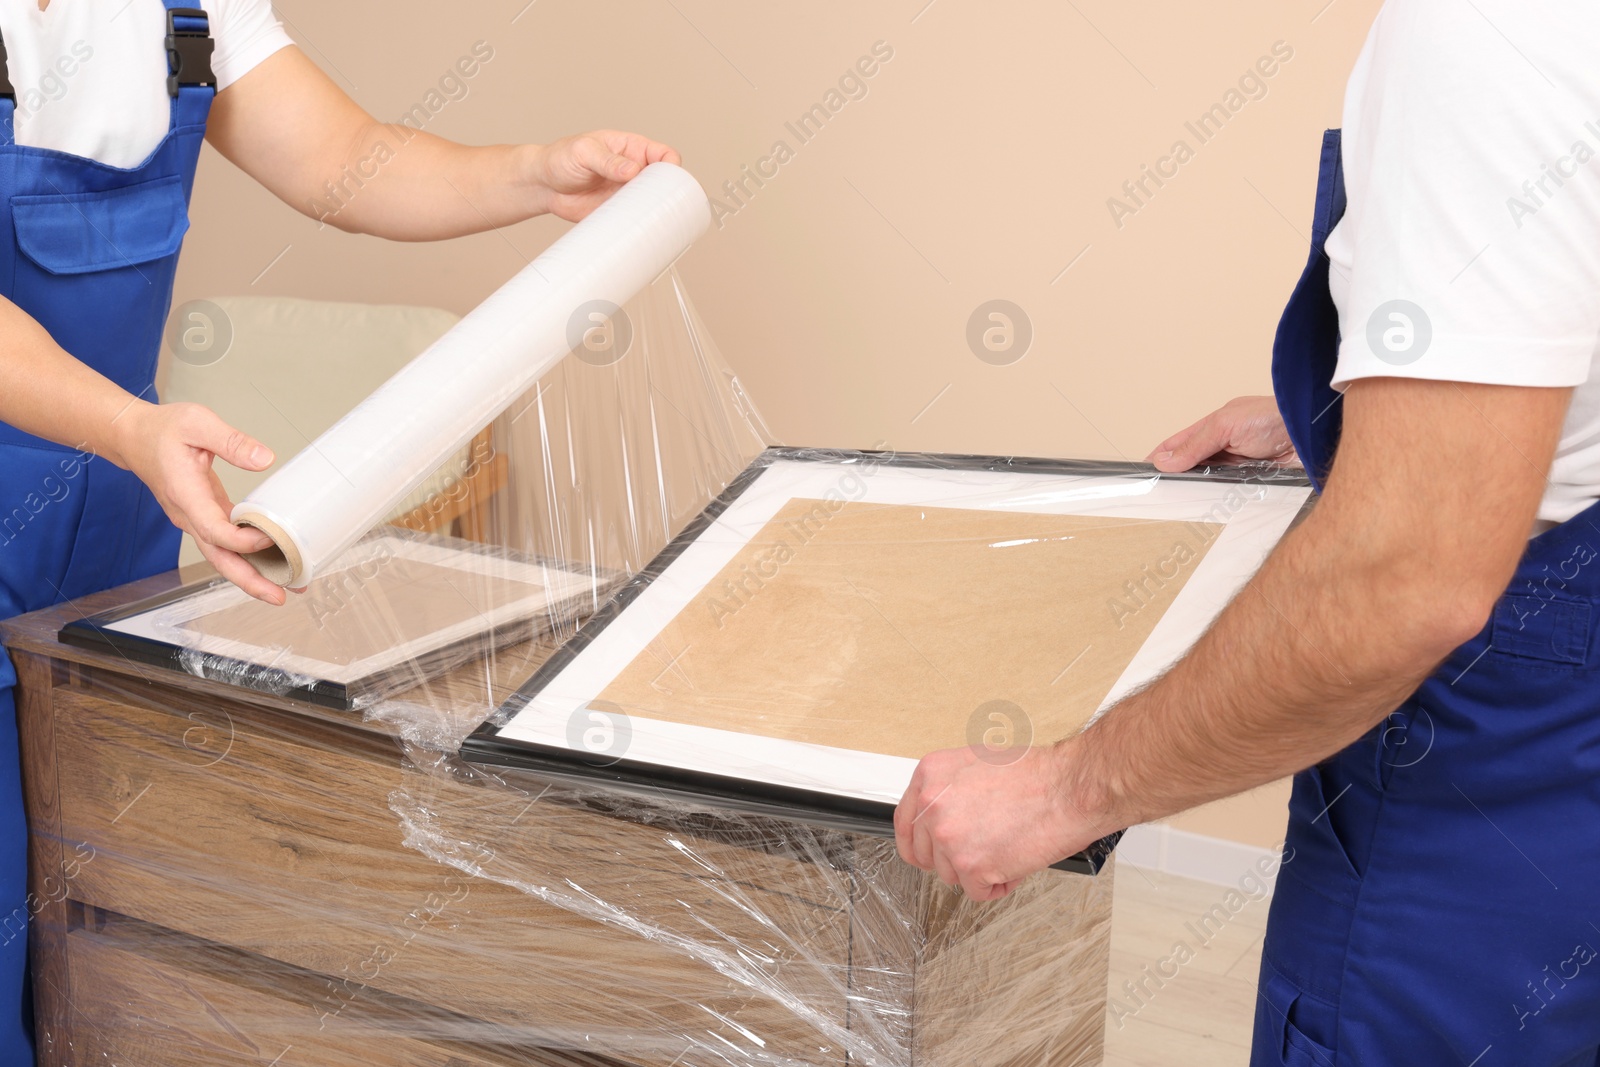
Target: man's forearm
{"x":1421,"y":526}
{"x":407,"y":185}
{"x":288,"y":126}
{"x":1312,"y":654}
{"x":1423,"y":520}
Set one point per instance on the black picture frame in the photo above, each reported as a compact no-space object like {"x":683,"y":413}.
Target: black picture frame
{"x":486,"y":747}
{"x":94,"y":632}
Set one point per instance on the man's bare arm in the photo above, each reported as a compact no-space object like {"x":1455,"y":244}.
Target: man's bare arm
{"x":287,"y":125}
{"x":1425,"y":515}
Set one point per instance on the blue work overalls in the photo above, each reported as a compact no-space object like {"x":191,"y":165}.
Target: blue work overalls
{"x":1441,"y":899}
{"x":89,"y":251}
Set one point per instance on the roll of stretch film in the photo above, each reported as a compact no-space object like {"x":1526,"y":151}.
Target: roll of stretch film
{"x":340,"y":486}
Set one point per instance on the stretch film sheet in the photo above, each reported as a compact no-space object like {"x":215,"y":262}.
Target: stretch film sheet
{"x":274,"y":839}
{"x":334,"y":491}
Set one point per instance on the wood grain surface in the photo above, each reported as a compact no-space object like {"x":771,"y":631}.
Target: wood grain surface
{"x":148,"y":995}
{"x":231,"y":868}
{"x":288,"y":848}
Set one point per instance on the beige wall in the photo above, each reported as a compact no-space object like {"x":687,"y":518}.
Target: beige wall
{"x":977,"y":166}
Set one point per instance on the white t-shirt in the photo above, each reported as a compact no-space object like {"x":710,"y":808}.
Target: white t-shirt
{"x":91,"y":75}
{"x":1470,"y":250}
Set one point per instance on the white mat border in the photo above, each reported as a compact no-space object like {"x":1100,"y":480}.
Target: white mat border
{"x":165,"y":624}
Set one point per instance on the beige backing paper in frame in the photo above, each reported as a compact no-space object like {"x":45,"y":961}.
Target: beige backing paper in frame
{"x":884,"y":628}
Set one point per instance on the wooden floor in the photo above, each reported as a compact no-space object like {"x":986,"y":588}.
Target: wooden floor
{"x":1202,"y":1016}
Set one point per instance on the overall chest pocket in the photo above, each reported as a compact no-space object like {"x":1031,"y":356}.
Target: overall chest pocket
{"x":95,"y":269}
{"x":88,"y":233}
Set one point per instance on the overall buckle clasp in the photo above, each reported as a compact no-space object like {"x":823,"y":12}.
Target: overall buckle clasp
{"x":189,"y":48}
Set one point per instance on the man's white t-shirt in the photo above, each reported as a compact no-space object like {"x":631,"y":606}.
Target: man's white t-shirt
{"x":1470,"y":250}
{"x":91,"y":75}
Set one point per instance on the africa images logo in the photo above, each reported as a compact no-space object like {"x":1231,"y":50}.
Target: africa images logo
{"x":1399,"y":332}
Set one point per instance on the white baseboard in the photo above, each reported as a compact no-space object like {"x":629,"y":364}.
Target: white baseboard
{"x":1158,"y":847}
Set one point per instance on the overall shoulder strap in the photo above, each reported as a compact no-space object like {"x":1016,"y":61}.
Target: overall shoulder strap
{"x":8,"y":101}
{"x":190,"y":80}
{"x":1305,"y":350}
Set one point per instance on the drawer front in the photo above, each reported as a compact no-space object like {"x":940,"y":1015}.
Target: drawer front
{"x":147,"y":1000}
{"x":136,"y":1012}
{"x":236,"y":827}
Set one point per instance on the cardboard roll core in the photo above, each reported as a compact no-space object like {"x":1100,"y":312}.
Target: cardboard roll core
{"x":280,"y":562}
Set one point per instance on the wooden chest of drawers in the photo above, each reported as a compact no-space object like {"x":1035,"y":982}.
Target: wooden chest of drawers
{"x":225,"y":877}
